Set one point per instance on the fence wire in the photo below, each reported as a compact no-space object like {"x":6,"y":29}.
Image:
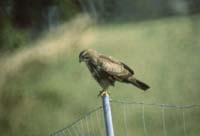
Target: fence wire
{"x":157,"y":104}
{"x":84,"y":126}
{"x":138,"y":118}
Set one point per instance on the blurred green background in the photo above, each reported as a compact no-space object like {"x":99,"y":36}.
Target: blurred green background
{"x":42,"y":85}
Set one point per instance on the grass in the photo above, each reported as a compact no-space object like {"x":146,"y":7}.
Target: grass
{"x":44,"y":87}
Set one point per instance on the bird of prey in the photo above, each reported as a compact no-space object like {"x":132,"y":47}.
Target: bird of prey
{"x":106,"y":70}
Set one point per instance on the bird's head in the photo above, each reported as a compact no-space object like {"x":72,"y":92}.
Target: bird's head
{"x":86,"y":55}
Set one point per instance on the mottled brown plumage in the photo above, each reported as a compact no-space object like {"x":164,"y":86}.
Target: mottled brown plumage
{"x":107,"y":70}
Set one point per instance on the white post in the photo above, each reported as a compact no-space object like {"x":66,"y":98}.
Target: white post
{"x":107,"y":115}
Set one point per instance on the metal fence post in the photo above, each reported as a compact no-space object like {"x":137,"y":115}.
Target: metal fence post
{"x":107,"y":115}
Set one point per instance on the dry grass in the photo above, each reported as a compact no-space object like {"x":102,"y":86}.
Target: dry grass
{"x":62,"y":40}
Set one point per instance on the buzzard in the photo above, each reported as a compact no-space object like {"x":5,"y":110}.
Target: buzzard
{"x":106,"y":70}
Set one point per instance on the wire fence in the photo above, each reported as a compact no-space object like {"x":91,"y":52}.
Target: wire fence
{"x":138,"y":118}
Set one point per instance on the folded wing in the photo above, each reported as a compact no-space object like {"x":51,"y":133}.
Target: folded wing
{"x":114,"y":67}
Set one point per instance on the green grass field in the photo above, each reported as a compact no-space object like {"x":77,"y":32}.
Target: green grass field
{"x":43,"y":88}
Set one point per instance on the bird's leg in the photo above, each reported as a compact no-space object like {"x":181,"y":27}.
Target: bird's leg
{"x":103,"y":92}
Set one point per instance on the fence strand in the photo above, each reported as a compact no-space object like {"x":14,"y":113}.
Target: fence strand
{"x":184,"y":125}
{"x":143,"y":121}
{"x":157,"y":104}
{"x":125,"y":120}
{"x":163,"y":121}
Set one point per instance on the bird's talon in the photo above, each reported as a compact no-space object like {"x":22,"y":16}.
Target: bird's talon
{"x":103,"y":92}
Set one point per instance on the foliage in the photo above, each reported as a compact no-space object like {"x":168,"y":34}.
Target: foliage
{"x":23,"y":21}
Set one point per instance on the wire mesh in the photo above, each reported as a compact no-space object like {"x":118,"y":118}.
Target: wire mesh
{"x":90,"y":124}
{"x":138,"y":118}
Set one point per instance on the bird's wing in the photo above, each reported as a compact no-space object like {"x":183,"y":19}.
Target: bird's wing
{"x":114,"y":67}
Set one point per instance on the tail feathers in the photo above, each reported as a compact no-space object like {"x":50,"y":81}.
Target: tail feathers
{"x":138,"y":83}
